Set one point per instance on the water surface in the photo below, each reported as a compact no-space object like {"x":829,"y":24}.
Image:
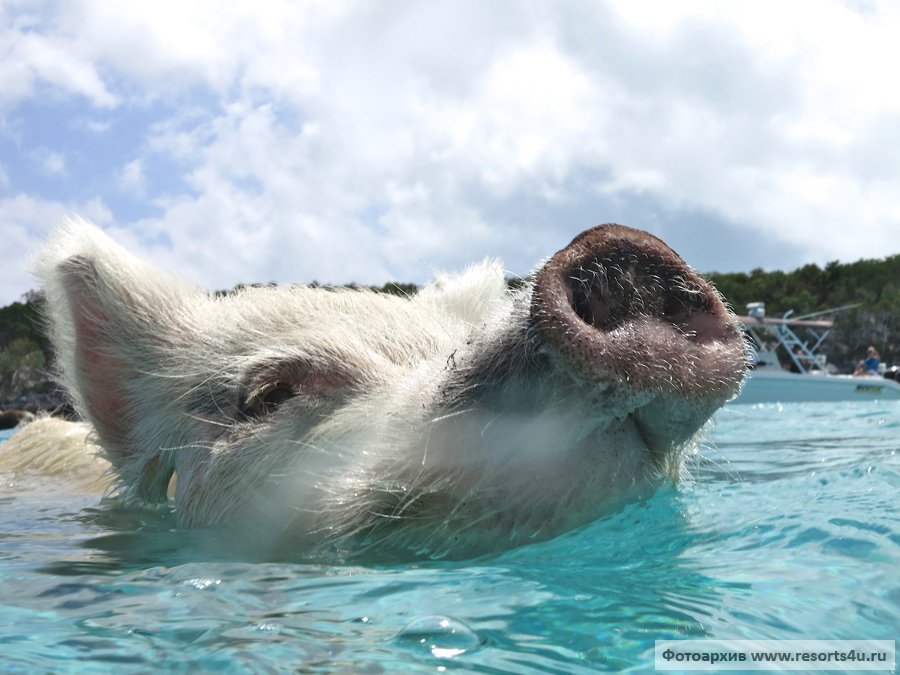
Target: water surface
{"x":788,"y":530}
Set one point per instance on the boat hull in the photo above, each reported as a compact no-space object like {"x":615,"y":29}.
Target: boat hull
{"x":763,"y":386}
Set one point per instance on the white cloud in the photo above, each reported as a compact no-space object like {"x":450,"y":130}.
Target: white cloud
{"x":29,"y":58}
{"x":94,"y":126}
{"x":361,"y":140}
{"x":25,"y":223}
{"x":50,"y":162}
{"x":132,"y":178}
{"x":785,"y":156}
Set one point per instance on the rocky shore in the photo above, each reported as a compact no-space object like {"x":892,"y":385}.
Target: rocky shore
{"x":26,"y":392}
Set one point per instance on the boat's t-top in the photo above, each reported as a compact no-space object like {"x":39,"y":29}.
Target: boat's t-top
{"x":769,"y":334}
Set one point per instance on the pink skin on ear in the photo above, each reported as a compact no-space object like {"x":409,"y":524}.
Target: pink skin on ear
{"x":99,"y":373}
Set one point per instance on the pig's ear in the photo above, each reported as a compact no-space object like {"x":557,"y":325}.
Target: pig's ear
{"x":110,"y":317}
{"x":469,"y":295}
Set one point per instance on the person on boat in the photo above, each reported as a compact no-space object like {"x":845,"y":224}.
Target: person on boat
{"x":869,"y":365}
{"x":800,"y":363}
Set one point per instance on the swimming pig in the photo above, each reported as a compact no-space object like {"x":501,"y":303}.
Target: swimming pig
{"x":464,"y":419}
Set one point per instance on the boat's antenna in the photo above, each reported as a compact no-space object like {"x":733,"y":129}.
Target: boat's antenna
{"x":827,"y":311}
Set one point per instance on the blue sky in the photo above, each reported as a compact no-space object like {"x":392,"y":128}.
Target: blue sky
{"x":371,"y":141}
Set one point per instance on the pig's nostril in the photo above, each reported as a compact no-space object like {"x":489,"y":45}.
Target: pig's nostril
{"x":592,"y":300}
{"x":608,"y":291}
{"x":692,"y":310}
{"x":593,"y":309}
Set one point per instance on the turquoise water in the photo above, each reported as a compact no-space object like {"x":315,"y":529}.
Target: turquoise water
{"x":788,"y":530}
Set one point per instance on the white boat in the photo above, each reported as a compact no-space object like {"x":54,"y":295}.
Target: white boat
{"x":808,"y":378}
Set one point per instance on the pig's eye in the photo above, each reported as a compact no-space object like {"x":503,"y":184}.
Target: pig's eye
{"x":266,"y":385}
{"x":266,"y":400}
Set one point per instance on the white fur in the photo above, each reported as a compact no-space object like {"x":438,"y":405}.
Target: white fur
{"x":431,"y":425}
{"x":47,"y":446}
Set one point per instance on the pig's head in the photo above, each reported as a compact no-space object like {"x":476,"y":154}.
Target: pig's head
{"x":464,"y":419}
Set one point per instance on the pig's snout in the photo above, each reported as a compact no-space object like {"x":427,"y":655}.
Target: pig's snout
{"x":619,"y":305}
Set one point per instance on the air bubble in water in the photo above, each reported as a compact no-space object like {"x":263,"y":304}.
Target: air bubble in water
{"x":442,"y":636}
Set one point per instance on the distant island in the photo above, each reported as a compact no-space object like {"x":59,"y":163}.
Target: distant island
{"x":873,"y":285}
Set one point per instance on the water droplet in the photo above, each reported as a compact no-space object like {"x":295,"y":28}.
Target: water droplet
{"x":442,"y":636}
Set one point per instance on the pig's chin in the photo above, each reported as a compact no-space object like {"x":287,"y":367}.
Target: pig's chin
{"x":646,"y":435}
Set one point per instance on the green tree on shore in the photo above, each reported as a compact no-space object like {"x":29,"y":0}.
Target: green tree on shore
{"x":873,"y":285}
